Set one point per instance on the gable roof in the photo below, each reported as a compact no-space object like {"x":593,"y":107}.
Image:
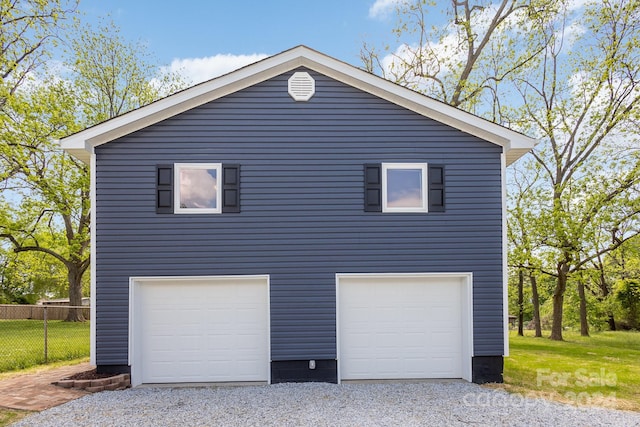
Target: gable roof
{"x":81,"y":144}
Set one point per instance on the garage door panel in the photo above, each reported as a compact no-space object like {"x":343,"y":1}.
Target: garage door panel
{"x":444,"y":338}
{"x":400,"y":327}
{"x":415,"y":366}
{"x":201,"y":330}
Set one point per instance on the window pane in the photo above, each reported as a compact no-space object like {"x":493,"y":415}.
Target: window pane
{"x":404,"y":188}
{"x":198,"y":188}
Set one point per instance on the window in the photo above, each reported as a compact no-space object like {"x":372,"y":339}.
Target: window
{"x":404,"y":187}
{"x":197,"y":188}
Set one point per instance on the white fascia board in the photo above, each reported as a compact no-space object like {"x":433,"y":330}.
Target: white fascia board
{"x":92,"y":260}
{"x":505,"y":254}
{"x":81,"y":143}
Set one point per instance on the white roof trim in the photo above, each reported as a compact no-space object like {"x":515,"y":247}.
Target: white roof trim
{"x":81,"y":144}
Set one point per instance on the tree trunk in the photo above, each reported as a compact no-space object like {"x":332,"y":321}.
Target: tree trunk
{"x":520,"y":303}
{"x":558,"y":301}
{"x":605,"y":291}
{"x":75,"y":294}
{"x":535,"y":300}
{"x":584,"y":324}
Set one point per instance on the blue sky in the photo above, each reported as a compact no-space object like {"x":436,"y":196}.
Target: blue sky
{"x":202,"y":39}
{"x":187,"y":30}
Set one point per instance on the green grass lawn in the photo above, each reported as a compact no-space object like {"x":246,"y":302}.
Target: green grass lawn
{"x":601,"y":370}
{"x":10,"y":416}
{"x":22,"y":342}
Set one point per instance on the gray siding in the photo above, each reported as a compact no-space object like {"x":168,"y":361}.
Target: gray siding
{"x":302,"y":218}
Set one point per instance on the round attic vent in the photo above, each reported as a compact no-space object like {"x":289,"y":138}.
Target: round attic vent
{"x":301,"y":86}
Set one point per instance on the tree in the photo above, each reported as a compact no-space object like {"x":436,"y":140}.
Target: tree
{"x":47,"y":201}
{"x":112,"y":76}
{"x":582,"y":102}
{"x":48,"y":192}
{"x":584,"y":323}
{"x":27,"y":277}
{"x":612,"y":273}
{"x":609,"y":267}
{"x":604,"y":286}
{"x":29,"y":28}
{"x":480,"y":45}
{"x":628,"y":294}
{"x":523,"y":231}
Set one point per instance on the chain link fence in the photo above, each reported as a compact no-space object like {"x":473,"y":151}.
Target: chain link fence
{"x":37,"y":334}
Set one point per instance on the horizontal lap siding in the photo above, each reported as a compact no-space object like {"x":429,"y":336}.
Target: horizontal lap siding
{"x":302,"y":218}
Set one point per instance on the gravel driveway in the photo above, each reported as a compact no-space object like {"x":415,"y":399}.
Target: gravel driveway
{"x":314,"y":404}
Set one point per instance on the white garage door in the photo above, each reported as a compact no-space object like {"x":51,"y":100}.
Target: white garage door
{"x":404,"y":327}
{"x":213,"y":329}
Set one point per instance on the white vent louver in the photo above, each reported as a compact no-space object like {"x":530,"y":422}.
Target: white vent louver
{"x":301,"y":86}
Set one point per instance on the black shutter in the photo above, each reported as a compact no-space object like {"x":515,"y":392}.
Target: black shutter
{"x":164,"y":189}
{"x":373,"y":187}
{"x":230,"y":188}
{"x":436,"y":188}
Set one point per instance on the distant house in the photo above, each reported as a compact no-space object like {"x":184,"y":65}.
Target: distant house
{"x":86,"y":301}
{"x":298,"y":219}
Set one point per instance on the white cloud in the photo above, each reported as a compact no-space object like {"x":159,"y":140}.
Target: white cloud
{"x":443,"y":50}
{"x":576,"y":4}
{"x":381,"y":8}
{"x":197,"y":70}
{"x":439,"y":59}
{"x":572,"y":33}
{"x":198,"y":188}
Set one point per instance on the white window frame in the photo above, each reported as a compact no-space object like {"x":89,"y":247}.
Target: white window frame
{"x":177,"y":167}
{"x":425,"y":191}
